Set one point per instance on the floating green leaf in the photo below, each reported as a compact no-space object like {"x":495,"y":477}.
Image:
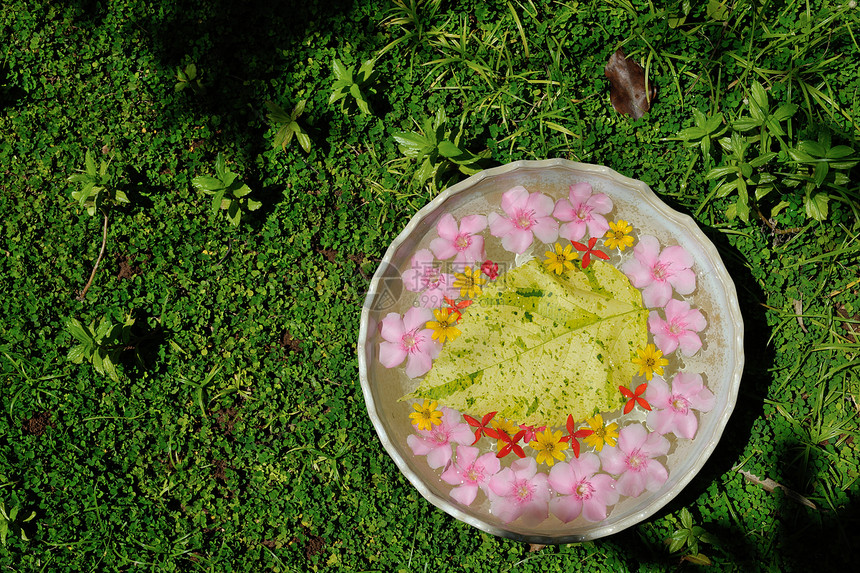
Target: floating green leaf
{"x":537,"y":346}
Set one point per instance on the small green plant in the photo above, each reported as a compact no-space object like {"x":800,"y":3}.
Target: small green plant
{"x":686,"y":540}
{"x":187,"y":79}
{"x":819,"y":164}
{"x":412,"y":17}
{"x":768,"y":121}
{"x":8,"y":521}
{"x":779,"y":164}
{"x":97,"y":193}
{"x":706,"y":129}
{"x":227,"y":190}
{"x":742,"y":175}
{"x":97,"y":190}
{"x":356,"y":84}
{"x":100,"y":346}
{"x":435,"y":151}
{"x":288,"y":125}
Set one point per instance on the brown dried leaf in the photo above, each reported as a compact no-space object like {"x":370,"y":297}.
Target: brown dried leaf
{"x":770,"y":485}
{"x":627,"y":86}
{"x":798,"y":312}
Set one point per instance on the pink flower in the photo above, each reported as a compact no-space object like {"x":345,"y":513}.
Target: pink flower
{"x":461,"y":242}
{"x":658,"y":272}
{"x":407,"y":337}
{"x":529,"y":215}
{"x":581,"y":490}
{"x":428,"y":279}
{"x":470,"y":472}
{"x":679,"y":329}
{"x":436,"y":442}
{"x":582,"y":210}
{"x":519,"y":491}
{"x":632,"y":459}
{"x":673,"y":408}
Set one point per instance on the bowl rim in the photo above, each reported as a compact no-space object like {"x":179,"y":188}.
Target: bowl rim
{"x":721,"y":274}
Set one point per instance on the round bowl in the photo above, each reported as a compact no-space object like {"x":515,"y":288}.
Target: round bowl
{"x":720,"y":360}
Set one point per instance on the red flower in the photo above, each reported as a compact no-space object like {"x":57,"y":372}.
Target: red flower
{"x":490,"y":269}
{"x":589,"y":250}
{"x":635,"y":398}
{"x":511,"y":444}
{"x":530,"y":432}
{"x":572,"y":436}
{"x":457,"y":306}
{"x":482,"y":427}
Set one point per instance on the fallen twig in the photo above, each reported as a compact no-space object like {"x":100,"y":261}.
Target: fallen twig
{"x":83,"y":294}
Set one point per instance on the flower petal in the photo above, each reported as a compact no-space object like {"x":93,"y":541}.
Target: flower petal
{"x":517,"y":241}
{"x":631,"y":484}
{"x":564,"y":211}
{"x":604,"y":489}
{"x":566,"y":508}
{"x":419,"y":445}
{"x":658,"y":393}
{"x":391,"y":354}
{"x":656,"y":294}
{"x":541,"y":204}
{"x":612,"y":460}
{"x":632,"y":437}
{"x":597,"y":225}
{"x":439,"y":456}
{"x":562,"y":479}
{"x":474,"y":252}
{"x":392,"y":327}
{"x":654,"y":446}
{"x":655,"y":475}
{"x":676,"y":257}
{"x":502,"y":483}
{"x":684,"y":281}
{"x":473,"y":224}
{"x":500,"y":226}
{"x":504,"y":508}
{"x":689,"y":341}
{"x":447,"y":228}
{"x":572,"y":231}
{"x":685,"y":425}
{"x":638,"y":273}
{"x":461,"y":434}
{"x":647,"y":251}
{"x":412,"y":280}
{"x":545,"y":229}
{"x":418,"y":364}
{"x":514,"y":198}
{"x":600,"y":203}
{"x":416,"y":317}
{"x":466,"y":455}
{"x":443,"y":248}
{"x":453,"y":474}
{"x":661,"y":421}
{"x":465,"y":494}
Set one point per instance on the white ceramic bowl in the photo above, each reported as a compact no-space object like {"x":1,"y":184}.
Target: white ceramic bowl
{"x":721,"y":358}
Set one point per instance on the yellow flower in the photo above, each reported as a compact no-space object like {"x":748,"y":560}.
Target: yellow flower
{"x":560,"y":260}
{"x":445,"y":325}
{"x":469,"y":282}
{"x":549,"y":447}
{"x":618,"y":235}
{"x":603,"y":434}
{"x":650,"y":360}
{"x":506,"y":426}
{"x":426,"y":416}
